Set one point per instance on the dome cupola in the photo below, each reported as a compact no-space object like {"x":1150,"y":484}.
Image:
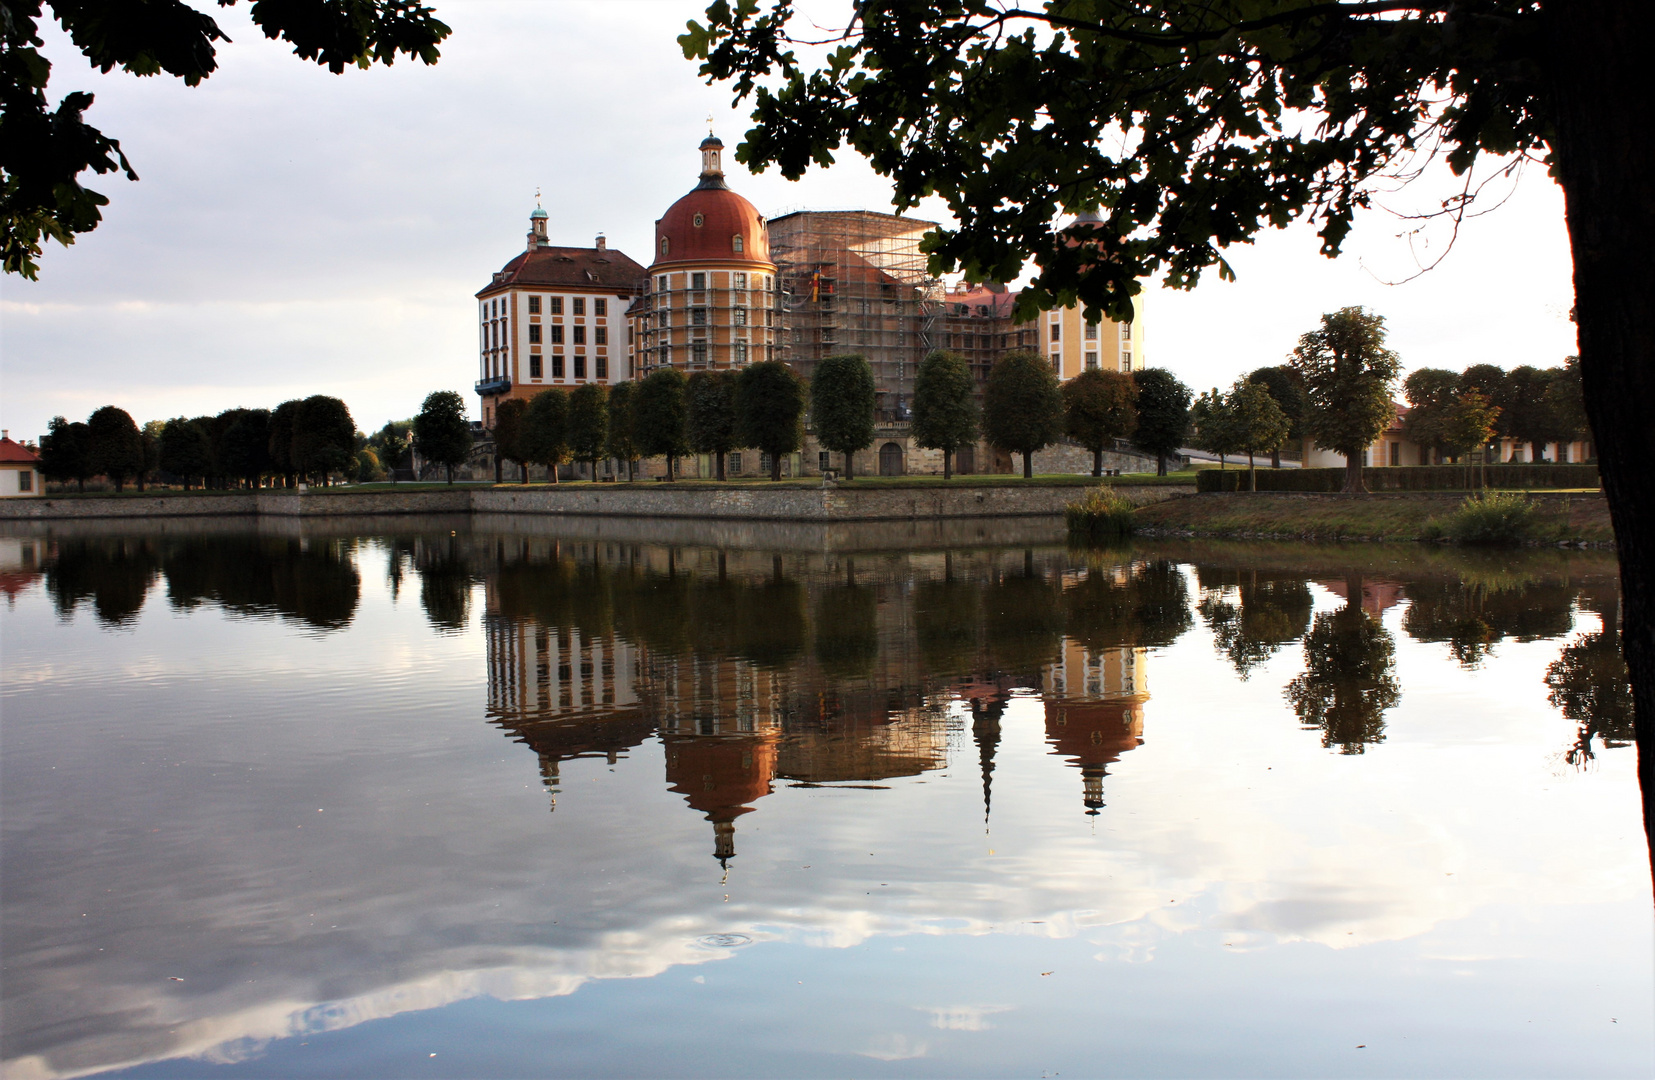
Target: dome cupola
{"x":711,"y":224}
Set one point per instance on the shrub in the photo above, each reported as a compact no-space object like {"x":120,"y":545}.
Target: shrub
{"x":1102,"y":514}
{"x":1493,"y":518}
{"x":1407,"y":478}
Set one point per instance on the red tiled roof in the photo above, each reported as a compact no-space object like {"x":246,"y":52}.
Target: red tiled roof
{"x":15,"y":453}
{"x":588,"y":269}
{"x":724,"y":215}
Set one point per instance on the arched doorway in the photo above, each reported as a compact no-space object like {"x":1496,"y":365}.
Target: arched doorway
{"x":965,"y":460}
{"x":890,"y":459}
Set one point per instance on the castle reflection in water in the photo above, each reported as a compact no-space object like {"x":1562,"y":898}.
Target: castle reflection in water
{"x":755,"y":669}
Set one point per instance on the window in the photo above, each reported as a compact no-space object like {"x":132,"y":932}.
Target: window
{"x":738,"y":316}
{"x":580,"y":367}
{"x":741,"y":352}
{"x":824,"y":460}
{"x":698,"y":220}
{"x":557,"y":367}
{"x":698,"y":316}
{"x":698,"y":282}
{"x":665,"y":318}
{"x":1396,"y":453}
{"x":534,"y":333}
{"x":600,"y":367}
{"x":600,"y":307}
{"x":1057,"y":362}
{"x":534,"y":366}
{"x":767,"y":314}
{"x":580,"y":305}
{"x":738,"y":281}
{"x":1126,"y":361}
{"x":1091,"y":331}
{"x":1091,"y":361}
{"x":736,"y":243}
{"x":600,"y":335}
{"x":663,"y":245}
{"x":1126,"y":331}
{"x":1057,"y":331}
{"x":698,"y":353}
{"x":580,"y":335}
{"x":661,"y":282}
{"x":534,"y":305}
{"x":25,"y":480}
{"x":557,"y":335}
{"x":764,"y":463}
{"x":735,"y":461}
{"x":557,"y":305}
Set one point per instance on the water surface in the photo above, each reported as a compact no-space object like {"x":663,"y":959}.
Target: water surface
{"x":511,"y":798}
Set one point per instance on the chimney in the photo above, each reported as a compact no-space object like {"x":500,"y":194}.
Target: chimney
{"x":5,"y":433}
{"x":603,"y":245}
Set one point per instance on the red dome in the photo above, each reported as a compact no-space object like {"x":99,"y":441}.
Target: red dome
{"x":703,"y":227}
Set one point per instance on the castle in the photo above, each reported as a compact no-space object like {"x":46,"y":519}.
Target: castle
{"x":727,"y":287}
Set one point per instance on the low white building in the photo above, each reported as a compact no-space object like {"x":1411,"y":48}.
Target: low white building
{"x":19,"y":470}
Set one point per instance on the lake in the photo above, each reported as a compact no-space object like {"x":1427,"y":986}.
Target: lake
{"x":512,"y":796}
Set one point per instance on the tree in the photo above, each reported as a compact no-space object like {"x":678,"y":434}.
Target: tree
{"x":841,"y":406}
{"x":1431,"y":394}
{"x":1567,"y":401}
{"x":710,"y":415}
{"x":1022,"y":406}
{"x":65,"y":452}
{"x":622,"y":446}
{"x":1258,"y":422}
{"x":1098,"y":408}
{"x":1468,"y":423}
{"x":1288,"y":395}
{"x":1349,"y":678}
{"x":1163,"y":414}
{"x":1194,"y":125}
{"x":281,"y":441}
{"x":441,"y":432}
{"x":1214,"y":423}
{"x":588,"y":424}
{"x":770,"y":406}
{"x":46,"y":151}
{"x":1489,"y":380}
{"x":392,"y":443}
{"x":1531,"y":415}
{"x":116,"y":451}
{"x":186,"y":450}
{"x":244,"y":449}
{"x":1347,"y":375}
{"x":545,"y":438}
{"x":659,"y":414}
{"x":149,"y":437}
{"x":509,"y":427}
{"x":945,"y":407}
{"x":324,"y":437}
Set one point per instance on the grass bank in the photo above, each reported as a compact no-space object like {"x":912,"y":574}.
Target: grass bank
{"x":1558,"y":518}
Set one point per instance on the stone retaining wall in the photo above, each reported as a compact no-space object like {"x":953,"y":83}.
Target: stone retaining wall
{"x":736,"y":503}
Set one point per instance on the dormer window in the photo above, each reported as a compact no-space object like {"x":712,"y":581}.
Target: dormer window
{"x":664,"y":245}
{"x":698,"y":221}
{"x":737,"y":244}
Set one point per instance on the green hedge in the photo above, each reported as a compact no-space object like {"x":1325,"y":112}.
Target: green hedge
{"x":1404,"y":478}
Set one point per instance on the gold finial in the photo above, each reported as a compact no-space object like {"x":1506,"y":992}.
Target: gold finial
{"x":537,"y":197}
{"x":709,"y":125}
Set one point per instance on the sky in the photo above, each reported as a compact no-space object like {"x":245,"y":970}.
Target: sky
{"x":297,"y":232}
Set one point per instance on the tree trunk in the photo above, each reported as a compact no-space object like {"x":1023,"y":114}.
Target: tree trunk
{"x":1604,"y":99}
{"x":524,"y":466}
{"x":1097,"y":461}
{"x":450,"y":473}
{"x":1275,"y":458}
{"x":850,"y":461}
{"x":499,"y":467}
{"x":720,"y":456}
{"x":1028,"y":464}
{"x":775,"y":467}
{"x":1353,"y":475}
{"x":947,"y":463}
{"x":1160,"y":464}
{"x":1537,"y":451}
{"x":1252,"y":473}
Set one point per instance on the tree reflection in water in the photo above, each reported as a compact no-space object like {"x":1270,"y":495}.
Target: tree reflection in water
{"x":1478,"y":610}
{"x":1271,"y":612}
{"x":1349,"y":678}
{"x":1589,"y":683}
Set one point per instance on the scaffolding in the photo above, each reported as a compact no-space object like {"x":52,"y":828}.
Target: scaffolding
{"x":856,"y":281}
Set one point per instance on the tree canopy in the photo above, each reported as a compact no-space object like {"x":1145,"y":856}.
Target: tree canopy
{"x":117,"y":452}
{"x":545,"y":438}
{"x":770,"y":402}
{"x":442,"y":434}
{"x":945,"y":406}
{"x":660,"y":412}
{"x":710,"y":422}
{"x":508,"y":434}
{"x":841,"y":405}
{"x":43,"y":151}
{"x":622,"y":444}
{"x":1098,"y":408}
{"x":1163,"y":414}
{"x":1348,"y":376}
{"x":1023,"y":405}
{"x":588,"y":424}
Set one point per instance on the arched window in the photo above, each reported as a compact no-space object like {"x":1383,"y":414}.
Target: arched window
{"x":737,"y":244}
{"x":664,"y":245}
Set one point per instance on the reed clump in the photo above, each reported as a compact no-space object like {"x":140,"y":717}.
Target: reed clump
{"x":1103,"y":514}
{"x":1493,"y":517}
